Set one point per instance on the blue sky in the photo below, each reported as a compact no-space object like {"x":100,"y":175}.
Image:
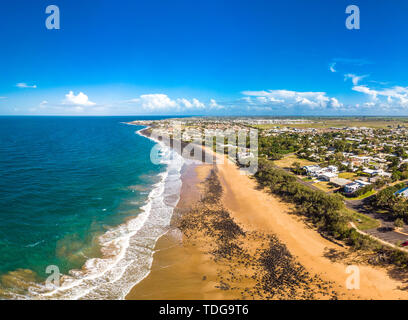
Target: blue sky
{"x":204,"y":57}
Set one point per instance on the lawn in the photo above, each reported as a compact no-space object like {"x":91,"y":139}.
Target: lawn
{"x":347,"y":175}
{"x":363,"y":196}
{"x":324,"y":186}
{"x":287,"y":161}
{"x":362,"y":221}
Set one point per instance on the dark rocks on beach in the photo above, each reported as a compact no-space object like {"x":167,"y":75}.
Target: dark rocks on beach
{"x":248,"y":257}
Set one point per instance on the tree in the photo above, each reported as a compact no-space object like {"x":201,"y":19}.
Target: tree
{"x":296,"y":167}
{"x":399,"y":223}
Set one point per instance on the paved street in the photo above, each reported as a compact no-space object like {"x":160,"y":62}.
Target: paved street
{"x":386,"y":230}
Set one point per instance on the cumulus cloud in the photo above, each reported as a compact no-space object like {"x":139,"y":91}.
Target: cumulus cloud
{"x":159,"y":102}
{"x":288,"y":98}
{"x":156,"y":101}
{"x":25,"y":85}
{"x":80,"y":100}
{"x":215,"y":105}
{"x":187,"y":104}
{"x":394,"y":95}
{"x":331,"y":67}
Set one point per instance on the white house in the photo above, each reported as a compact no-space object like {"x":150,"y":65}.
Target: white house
{"x":354,"y":186}
{"x":312,"y":170}
{"x":332,"y":169}
{"x":326,"y":176}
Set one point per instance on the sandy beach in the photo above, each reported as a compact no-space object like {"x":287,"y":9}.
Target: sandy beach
{"x":181,"y":269}
{"x":192,"y":261}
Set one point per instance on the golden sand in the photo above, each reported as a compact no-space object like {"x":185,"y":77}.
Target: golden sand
{"x":184,"y":269}
{"x":181,"y":270}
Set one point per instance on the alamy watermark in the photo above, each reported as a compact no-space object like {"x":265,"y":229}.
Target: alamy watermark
{"x":353,"y":20}
{"x":53,"y":20}
{"x":353,"y":280}
{"x":53,"y":280}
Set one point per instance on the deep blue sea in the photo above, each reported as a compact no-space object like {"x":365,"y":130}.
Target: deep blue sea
{"x":66,"y":184}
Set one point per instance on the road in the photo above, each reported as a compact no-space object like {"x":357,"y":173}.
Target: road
{"x":386,"y":230}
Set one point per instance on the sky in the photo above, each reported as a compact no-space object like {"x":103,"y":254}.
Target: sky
{"x":211,"y":57}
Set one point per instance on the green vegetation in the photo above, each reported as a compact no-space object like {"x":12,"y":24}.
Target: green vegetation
{"x":325,"y":186}
{"x":362,"y":221}
{"x":399,"y":223}
{"x":324,"y":123}
{"x":280,"y":145}
{"x":347,"y":175}
{"x":363,"y":195}
{"x":326,"y":211}
{"x":293,"y":161}
{"x":388,"y":201}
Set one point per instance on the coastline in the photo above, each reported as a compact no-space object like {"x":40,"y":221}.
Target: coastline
{"x":180,"y":269}
{"x":206,"y":256}
{"x":126,"y":249}
{"x":184,"y":269}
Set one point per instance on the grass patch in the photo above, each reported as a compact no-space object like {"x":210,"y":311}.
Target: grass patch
{"x":347,"y":175}
{"x":362,"y":221}
{"x":325,"y":186}
{"x":287,"y":161}
{"x":363,"y":196}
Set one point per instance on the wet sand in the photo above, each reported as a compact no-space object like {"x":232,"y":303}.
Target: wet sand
{"x":193,"y":264}
{"x":206,"y":255}
{"x":181,"y":269}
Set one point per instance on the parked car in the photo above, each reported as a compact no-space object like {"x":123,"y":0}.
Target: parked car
{"x":404,"y":244}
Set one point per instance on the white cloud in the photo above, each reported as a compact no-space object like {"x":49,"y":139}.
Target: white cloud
{"x":25,"y":85}
{"x":288,"y":98}
{"x":187,"y":104}
{"x":80,"y":99}
{"x":162,"y":102}
{"x":364,"y":89}
{"x":335,"y":103}
{"x":215,"y":105}
{"x":394,"y":95}
{"x":156,"y":102}
{"x":331,"y":67}
{"x":354,"y":78}
{"x":43,"y":104}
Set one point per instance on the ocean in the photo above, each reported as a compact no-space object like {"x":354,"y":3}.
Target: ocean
{"x":80,"y":194}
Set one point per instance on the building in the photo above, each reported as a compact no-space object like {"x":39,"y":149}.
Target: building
{"x":402,"y":192}
{"x":354,"y":186}
{"x":312,"y":170}
{"x":340,"y":182}
{"x":332,"y":169}
{"x":326,"y":176}
{"x":378,"y":172}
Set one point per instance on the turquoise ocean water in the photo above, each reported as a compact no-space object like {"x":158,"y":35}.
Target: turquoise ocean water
{"x":82,"y":194}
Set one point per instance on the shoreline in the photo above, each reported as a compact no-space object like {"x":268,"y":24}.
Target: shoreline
{"x":254,"y":209}
{"x":116,"y":270}
{"x":223,"y":261}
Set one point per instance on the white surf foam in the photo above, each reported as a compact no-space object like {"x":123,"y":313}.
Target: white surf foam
{"x":127,"y":249}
